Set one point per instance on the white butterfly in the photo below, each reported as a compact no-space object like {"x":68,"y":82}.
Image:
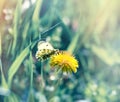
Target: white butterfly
{"x":45,"y":50}
{"x":44,"y":45}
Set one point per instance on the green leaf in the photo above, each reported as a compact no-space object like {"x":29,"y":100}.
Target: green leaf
{"x":16,"y":20}
{"x":0,"y":44}
{"x":16,"y":64}
{"x":31,"y":70}
{"x":31,"y":97}
{"x":3,"y":80}
{"x":11,"y":98}
{"x":108,"y":58}
{"x":35,"y":17}
{"x":55,"y":99}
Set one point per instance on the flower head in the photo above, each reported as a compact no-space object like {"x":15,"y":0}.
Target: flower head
{"x":65,"y":62}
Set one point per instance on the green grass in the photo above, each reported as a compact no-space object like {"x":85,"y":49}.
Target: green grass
{"x":91,"y":34}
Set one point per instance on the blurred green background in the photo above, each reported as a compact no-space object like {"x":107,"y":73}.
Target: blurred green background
{"x":89,"y":29}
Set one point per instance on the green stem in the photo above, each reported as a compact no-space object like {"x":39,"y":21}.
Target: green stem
{"x":4,"y":83}
{"x":31,"y":96}
{"x":31,"y":68}
{"x":42,"y":77}
{"x":31,"y":76}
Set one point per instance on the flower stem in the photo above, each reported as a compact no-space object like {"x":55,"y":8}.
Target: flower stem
{"x":42,"y":77}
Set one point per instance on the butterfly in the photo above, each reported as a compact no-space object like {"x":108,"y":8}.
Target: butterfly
{"x":45,"y":50}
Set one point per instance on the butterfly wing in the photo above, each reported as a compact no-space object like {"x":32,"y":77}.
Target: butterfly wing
{"x":44,"y":45}
{"x":45,"y":50}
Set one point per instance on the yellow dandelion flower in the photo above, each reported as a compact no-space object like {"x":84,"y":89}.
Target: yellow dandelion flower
{"x":65,"y":62}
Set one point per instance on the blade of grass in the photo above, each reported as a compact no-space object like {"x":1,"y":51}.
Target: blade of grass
{"x":42,"y":77}
{"x":31,"y":69}
{"x":3,"y":83}
{"x":0,"y":44}
{"x":104,"y":55}
{"x":15,"y":66}
{"x":35,"y":18}
{"x":25,"y":24}
{"x":16,"y":23}
{"x":87,"y":31}
{"x":31,"y":96}
{"x":9,"y":48}
{"x":73,"y":43}
{"x":24,"y":35}
{"x":11,"y":98}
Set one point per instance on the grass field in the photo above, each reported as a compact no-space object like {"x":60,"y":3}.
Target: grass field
{"x":87,"y":29}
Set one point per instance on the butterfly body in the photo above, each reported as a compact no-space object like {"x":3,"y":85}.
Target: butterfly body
{"x":45,"y":53}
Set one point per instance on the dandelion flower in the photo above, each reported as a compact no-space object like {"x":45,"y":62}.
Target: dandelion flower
{"x":65,"y":62}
